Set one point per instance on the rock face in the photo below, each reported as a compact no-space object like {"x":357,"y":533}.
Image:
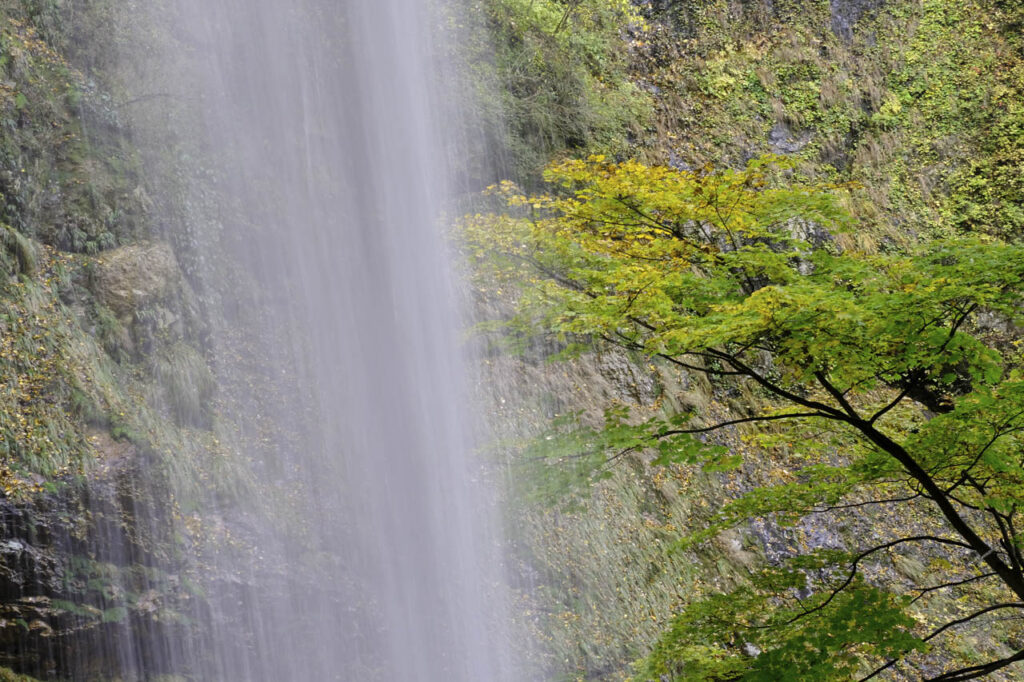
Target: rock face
{"x":784,"y":141}
{"x":846,"y":14}
{"x":80,"y":579}
{"x":133,"y":277}
{"x":144,"y":289}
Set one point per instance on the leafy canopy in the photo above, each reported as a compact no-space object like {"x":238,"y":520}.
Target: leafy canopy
{"x":905,"y":361}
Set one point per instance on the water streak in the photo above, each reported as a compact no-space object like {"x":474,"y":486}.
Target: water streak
{"x":324,"y":114}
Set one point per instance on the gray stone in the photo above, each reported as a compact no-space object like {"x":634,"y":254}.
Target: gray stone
{"x":132,"y":277}
{"x":785,"y":141}
{"x":846,"y":14}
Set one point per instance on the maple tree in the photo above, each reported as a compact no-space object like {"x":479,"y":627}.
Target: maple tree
{"x":905,"y":363}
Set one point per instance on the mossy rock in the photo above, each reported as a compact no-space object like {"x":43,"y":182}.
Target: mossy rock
{"x":17,"y":255}
{"x":186,"y":384}
{"x":133,"y":277}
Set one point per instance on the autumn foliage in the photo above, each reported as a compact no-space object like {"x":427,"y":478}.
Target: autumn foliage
{"x":901,"y":370}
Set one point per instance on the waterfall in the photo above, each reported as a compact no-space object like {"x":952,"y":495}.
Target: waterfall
{"x":375,"y":554}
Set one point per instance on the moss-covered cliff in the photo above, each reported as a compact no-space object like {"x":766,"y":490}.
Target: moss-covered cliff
{"x":115,"y":415}
{"x":112,"y":426}
{"x":917,"y":105}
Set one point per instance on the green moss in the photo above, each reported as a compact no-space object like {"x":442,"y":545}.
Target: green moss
{"x":118,"y":614}
{"x":917,"y":106}
{"x":67,"y":171}
{"x":17,"y":254}
{"x":8,"y":675}
{"x":114,"y":412}
{"x":72,"y":383}
{"x":186,"y":384}
{"x":44,"y":359}
{"x":562,"y":75}
{"x":988,"y":194}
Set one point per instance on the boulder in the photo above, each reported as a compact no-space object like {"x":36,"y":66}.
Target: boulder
{"x":132,"y":277}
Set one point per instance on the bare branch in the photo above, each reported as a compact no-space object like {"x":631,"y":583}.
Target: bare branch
{"x":855,"y":505}
{"x":837,"y":394}
{"x":963,"y":673}
{"x":745,"y":420}
{"x":865,"y":554}
{"x":967,"y":619}
{"x":965,"y":581}
{"x":977,"y":671}
{"x":896,"y":401}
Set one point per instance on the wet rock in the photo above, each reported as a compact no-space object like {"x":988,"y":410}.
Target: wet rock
{"x":784,"y":141}
{"x":735,"y":545}
{"x":846,"y":14}
{"x":133,"y":277}
{"x":998,"y":323}
{"x":78,"y":563}
{"x":751,"y":650}
{"x":629,"y":381}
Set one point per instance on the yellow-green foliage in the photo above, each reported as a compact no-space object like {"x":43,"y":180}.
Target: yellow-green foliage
{"x":733,"y":274}
{"x":920,"y":105}
{"x":51,"y":375}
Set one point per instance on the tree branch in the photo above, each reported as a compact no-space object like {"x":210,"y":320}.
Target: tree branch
{"x":745,"y":420}
{"x":865,"y":554}
{"x":926,"y":590}
{"x":777,"y":390}
{"x":1013,"y":579}
{"x":837,"y":394}
{"x":967,"y":619}
{"x":977,"y":671}
{"x":855,"y":505}
{"x":963,"y":673}
{"x":896,"y":401}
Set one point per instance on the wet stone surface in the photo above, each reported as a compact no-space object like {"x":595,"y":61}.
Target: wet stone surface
{"x":846,"y":14}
